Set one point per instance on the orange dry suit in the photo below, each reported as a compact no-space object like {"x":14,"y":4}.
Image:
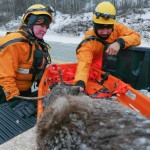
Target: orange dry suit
{"x":18,"y":60}
{"x":90,"y":52}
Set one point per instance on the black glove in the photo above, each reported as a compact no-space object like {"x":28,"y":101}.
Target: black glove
{"x":2,"y":96}
{"x":25,"y":109}
{"x":81,"y":84}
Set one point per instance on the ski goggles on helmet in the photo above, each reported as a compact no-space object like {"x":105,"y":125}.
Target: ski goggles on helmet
{"x":42,"y":20}
{"x":104,"y":15}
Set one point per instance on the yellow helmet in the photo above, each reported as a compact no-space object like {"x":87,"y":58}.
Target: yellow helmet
{"x":37,"y":9}
{"x":104,"y":13}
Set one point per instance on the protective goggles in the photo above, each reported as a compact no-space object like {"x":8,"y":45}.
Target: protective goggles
{"x":106,"y":16}
{"x":42,"y":20}
{"x":49,"y":9}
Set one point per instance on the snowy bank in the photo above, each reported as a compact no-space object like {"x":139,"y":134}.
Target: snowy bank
{"x":64,"y":38}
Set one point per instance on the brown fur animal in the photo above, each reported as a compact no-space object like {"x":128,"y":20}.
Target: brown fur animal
{"x":80,"y":123}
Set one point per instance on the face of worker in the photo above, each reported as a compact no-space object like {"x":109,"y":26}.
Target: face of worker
{"x":104,"y":33}
{"x":40,"y":31}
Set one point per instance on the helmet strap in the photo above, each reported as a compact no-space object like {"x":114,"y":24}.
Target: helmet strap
{"x":30,"y":30}
{"x":33,"y":32}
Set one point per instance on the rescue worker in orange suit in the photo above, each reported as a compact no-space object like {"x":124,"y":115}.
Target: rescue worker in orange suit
{"x":105,"y":30}
{"x":23,"y":58}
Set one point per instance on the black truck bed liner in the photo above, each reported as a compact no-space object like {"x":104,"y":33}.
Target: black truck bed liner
{"x":11,"y":124}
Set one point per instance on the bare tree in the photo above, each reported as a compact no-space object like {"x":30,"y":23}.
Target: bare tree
{"x":10,"y":9}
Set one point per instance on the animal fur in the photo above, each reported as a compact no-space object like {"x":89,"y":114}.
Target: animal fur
{"x":80,"y":123}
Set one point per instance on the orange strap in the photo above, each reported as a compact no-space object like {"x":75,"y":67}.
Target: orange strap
{"x":122,"y":88}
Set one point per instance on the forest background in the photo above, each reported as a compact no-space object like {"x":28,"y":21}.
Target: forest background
{"x":74,"y":17}
{"x":10,"y":9}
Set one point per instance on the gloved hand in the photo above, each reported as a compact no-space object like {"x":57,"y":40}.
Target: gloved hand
{"x":25,"y":109}
{"x":2,"y":96}
{"x":80,"y":84}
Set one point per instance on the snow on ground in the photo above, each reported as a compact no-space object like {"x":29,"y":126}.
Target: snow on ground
{"x":24,"y":141}
{"x":55,"y":37}
{"x":63,"y":38}
{"x":67,"y":29}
